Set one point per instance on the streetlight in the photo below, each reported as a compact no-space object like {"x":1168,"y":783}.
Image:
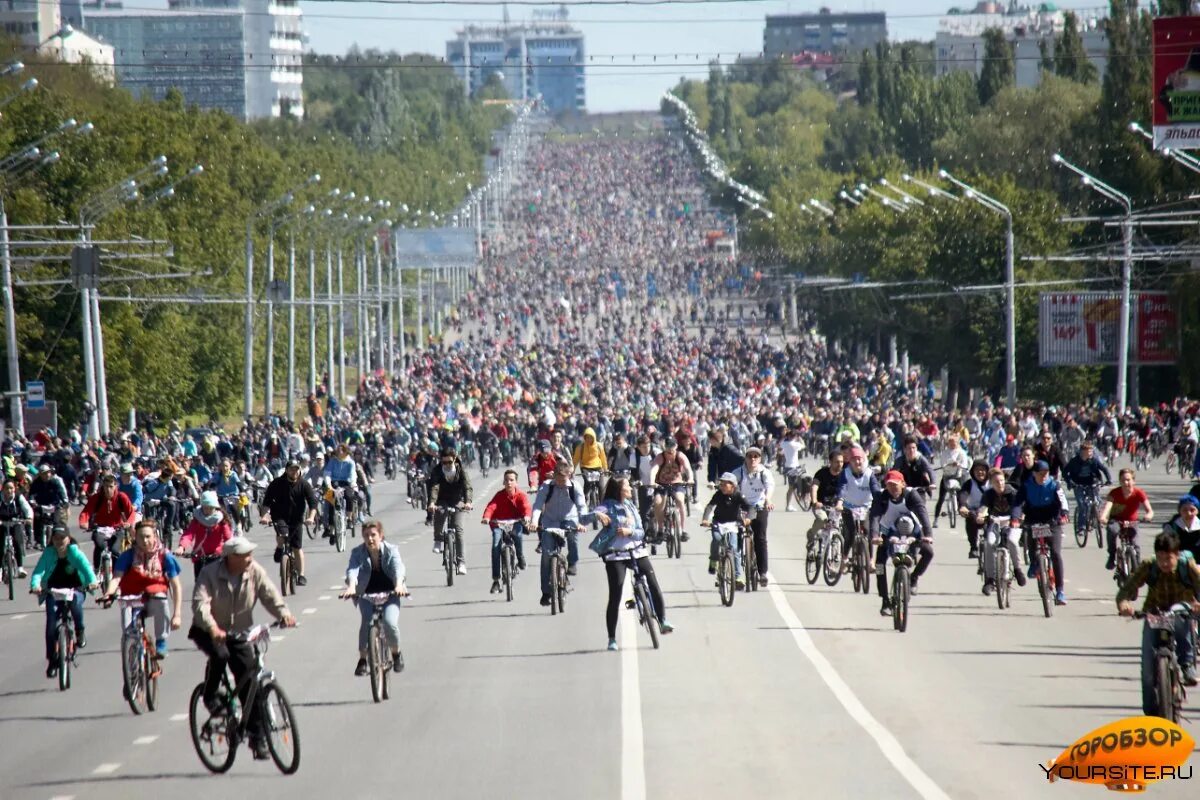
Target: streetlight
{"x":27,"y":86}
{"x":1185,"y":160}
{"x":1108,"y":192}
{"x":891,"y":203}
{"x":934,"y":191}
{"x":1010,"y":292}
{"x":849,"y":198}
{"x":908,"y":198}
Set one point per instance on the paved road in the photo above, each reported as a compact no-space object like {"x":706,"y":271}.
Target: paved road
{"x":797,"y":689}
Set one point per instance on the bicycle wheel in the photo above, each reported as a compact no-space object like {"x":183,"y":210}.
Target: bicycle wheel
{"x":449,"y":557}
{"x":310,"y":530}
{"x":952,"y":512}
{"x":64,"y":658}
{"x":10,"y":573}
{"x":812,"y":561}
{"x":1081,"y":527}
{"x":649,"y":618}
{"x":1096,"y":527}
{"x":1164,"y":688}
{"x":670,"y":537}
{"x":864,"y":565}
{"x":1002,"y":577}
{"x":134,"y":686}
{"x":151,"y":671}
{"x":554,"y":578}
{"x":1045,"y":589}
{"x":833,"y":560}
{"x":750,"y":565}
{"x":375,"y":662}
{"x":210,"y":736}
{"x":804,"y":501}
{"x":563,"y":583}
{"x":900,"y":590}
{"x":285,"y":574}
{"x":283,"y":734}
{"x":506,"y":567}
{"x":726,"y":573}
{"x":339,"y":531}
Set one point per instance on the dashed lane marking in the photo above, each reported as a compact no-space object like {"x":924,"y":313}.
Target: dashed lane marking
{"x":16,"y":617}
{"x":180,"y":717}
{"x":633,"y":751}
{"x":106,"y":769}
{"x":145,"y":740}
{"x":325,"y":597}
{"x":309,"y":611}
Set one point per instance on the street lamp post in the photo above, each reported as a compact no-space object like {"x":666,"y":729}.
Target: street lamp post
{"x":1103,"y":189}
{"x":1010,"y":293}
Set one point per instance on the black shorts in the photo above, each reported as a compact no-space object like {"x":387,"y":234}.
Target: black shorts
{"x":295,"y":534}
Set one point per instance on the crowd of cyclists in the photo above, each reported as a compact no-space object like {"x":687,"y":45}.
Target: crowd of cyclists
{"x":610,"y":364}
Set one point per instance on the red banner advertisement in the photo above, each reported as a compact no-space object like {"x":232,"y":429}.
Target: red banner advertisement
{"x":1176,"y":88}
{"x":1157,"y":332}
{"x":1083,"y":328}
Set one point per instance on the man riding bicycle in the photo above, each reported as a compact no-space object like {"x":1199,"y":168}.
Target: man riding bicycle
{"x":1084,"y":473}
{"x":286,"y":500}
{"x":450,"y":487}
{"x":670,"y":472}
{"x":559,"y":504}
{"x":1040,"y":501}
{"x":898,"y":511}
{"x":510,"y":503}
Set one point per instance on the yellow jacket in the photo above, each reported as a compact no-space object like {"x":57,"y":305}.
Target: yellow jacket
{"x":588,"y":453}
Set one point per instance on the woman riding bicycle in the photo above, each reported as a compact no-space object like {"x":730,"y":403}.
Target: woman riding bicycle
{"x":148,"y":569}
{"x":1122,"y":506}
{"x":62,"y":566}
{"x":206,"y":533}
{"x":376,"y":568}
{"x":625,"y":541}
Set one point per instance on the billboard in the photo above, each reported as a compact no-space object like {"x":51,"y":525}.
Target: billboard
{"x":435,"y":247}
{"x":1176,"y":87}
{"x":1084,"y":328}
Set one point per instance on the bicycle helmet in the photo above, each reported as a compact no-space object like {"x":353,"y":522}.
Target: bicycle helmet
{"x":905,"y":526}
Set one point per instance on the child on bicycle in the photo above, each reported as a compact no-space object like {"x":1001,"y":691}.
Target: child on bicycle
{"x":727,"y":506}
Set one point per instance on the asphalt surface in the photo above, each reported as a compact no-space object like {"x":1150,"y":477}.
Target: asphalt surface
{"x":797,"y":689}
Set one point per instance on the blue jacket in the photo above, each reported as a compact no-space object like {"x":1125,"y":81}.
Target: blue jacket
{"x":358,"y":573}
{"x":77,"y":563}
{"x":132,"y":490}
{"x":1040,"y":503}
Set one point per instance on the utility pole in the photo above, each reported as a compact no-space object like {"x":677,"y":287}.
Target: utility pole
{"x":16,"y":410}
{"x":291,"y":357}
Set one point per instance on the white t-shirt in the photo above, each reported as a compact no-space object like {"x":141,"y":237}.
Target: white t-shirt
{"x":791,"y":450}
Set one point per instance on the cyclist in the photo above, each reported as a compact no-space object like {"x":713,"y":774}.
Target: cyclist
{"x":1009,"y":455}
{"x":148,"y":569}
{"x":223,"y":602}
{"x":107,"y":508}
{"x":620,"y":455}
{"x":375,"y":568}
{"x":998,"y":501}
{"x":541,"y":468}
{"x":824,"y":493}
{"x":46,"y":491}
{"x":626,"y":541}
{"x":13,"y":507}
{"x":559,"y":504}
{"x":1186,"y":525}
{"x":898,"y":511}
{"x":131,"y":487}
{"x":726,"y":506}
{"x":722,"y":457}
{"x":286,"y":501}
{"x":450,"y":486}
{"x":789,"y":462}
{"x":1123,"y":505}
{"x":954,"y":458}
{"x":206,"y":534}
{"x":1040,"y":501}
{"x":1045,"y":449}
{"x":509,"y":503}
{"x":62,"y":566}
{"x":670,"y":473}
{"x":341,"y":473}
{"x":160,"y":488}
{"x":757,"y":484}
{"x":915,"y":467}
{"x":1169,"y":580}
{"x":857,"y":488}
{"x":1083,"y":473}
{"x":970,"y":500}
{"x":588,"y":454}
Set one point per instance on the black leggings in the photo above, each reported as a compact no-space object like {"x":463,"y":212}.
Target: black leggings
{"x":616,"y":582}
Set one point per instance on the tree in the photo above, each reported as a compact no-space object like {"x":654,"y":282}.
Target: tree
{"x":999,"y":67}
{"x":1070,"y":57}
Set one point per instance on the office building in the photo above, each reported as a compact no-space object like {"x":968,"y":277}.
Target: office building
{"x":242,"y":57}
{"x":539,"y":60}
{"x":39,"y":25}
{"x":824,"y":32}
{"x":959,"y":44}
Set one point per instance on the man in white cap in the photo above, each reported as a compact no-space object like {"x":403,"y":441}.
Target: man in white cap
{"x":223,"y":603}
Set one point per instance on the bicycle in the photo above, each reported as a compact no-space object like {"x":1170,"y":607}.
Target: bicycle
{"x":157,"y":511}
{"x":46,"y":516}
{"x":216,"y":735}
{"x":287,"y":560}
{"x":861,"y":563}
{"x":1086,"y":518}
{"x":591,"y":487}
{"x":336,"y":498}
{"x":1005,"y":570}
{"x":380,"y":661}
{"x":825,"y":553}
{"x":952,"y":475}
{"x":800,"y":487}
{"x":749,"y":560}
{"x":648,"y":615}
{"x":10,"y":553}
{"x":64,"y":626}
{"x":726,"y":565}
{"x":508,"y":554}
{"x":902,"y":565}
{"x":1168,"y":675}
{"x":1128,"y":553}
{"x":105,"y":572}
{"x":450,"y":534}
{"x":420,"y":497}
{"x":672,"y":535}
{"x":139,"y":660}
{"x":1045,"y":568}
{"x":560,"y":582}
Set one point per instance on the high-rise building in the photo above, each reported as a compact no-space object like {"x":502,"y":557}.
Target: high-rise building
{"x":959,"y":45}
{"x":823,"y":32}
{"x":539,"y":60}
{"x":41,"y":26}
{"x":240,"y":56}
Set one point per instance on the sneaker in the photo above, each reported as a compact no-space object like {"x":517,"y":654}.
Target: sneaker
{"x":571,"y":570}
{"x":712,"y":567}
{"x":762,"y":579}
{"x":1032,"y":573}
{"x":80,"y":640}
{"x":545,"y":601}
{"x":462,"y":568}
{"x":520,"y":562}
{"x":935,"y":524}
{"x":683,"y":537}
{"x":52,"y":669}
{"x":438,"y":547}
{"x":397,"y":662}
{"x":630,"y":604}
{"x":278,"y":555}
{"x":740,"y":583}
{"x":612,"y":644}
{"x":885,"y":610}
{"x":1021,"y":579}
{"x":912,"y":585}
{"x":1060,"y":598}
{"x":1112,"y":562}
{"x":789,"y":508}
{"x":988,"y":586}
{"x":361,"y":668}
{"x":1189,"y":676}
{"x":495,"y":588}
{"x":21,"y":573}
{"x":258,"y":747}
{"x":665,"y":628}
{"x":974,"y":553}
{"x":160,"y":648}
{"x":301,"y":580}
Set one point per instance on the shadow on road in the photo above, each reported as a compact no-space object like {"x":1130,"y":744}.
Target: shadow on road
{"x":64,"y":718}
{"x":813,"y":628}
{"x":487,"y":616}
{"x":536,"y":655}
{"x":93,"y":779}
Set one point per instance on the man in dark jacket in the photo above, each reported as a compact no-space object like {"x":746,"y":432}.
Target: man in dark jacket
{"x":286,"y":500}
{"x":898,"y":511}
{"x":449,"y":487}
{"x":914,"y":466}
{"x":1046,"y":450}
{"x":722,"y":457}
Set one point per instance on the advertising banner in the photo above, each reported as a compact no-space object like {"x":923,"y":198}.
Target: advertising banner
{"x":1176,"y":88}
{"x":432,"y":247}
{"x":1084,"y":328}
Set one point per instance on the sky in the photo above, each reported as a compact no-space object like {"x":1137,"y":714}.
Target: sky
{"x":696,"y":33}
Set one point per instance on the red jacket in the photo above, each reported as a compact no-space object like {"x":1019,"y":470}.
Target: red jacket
{"x":504,"y":507}
{"x":207,"y":541}
{"x":116,"y":513}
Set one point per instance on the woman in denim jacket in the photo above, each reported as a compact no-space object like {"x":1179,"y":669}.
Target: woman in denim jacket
{"x":375,"y":568}
{"x":626,"y":540}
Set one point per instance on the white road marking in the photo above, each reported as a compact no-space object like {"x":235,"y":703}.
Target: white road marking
{"x":179,"y":717}
{"x":278,"y":638}
{"x":106,"y":769}
{"x":325,"y":597}
{"x":145,"y":740}
{"x":63,"y":797}
{"x":309,"y":611}
{"x":16,"y":617}
{"x":633,"y":755}
{"x":1087,"y":591}
{"x":335,"y":588}
{"x":887,"y":742}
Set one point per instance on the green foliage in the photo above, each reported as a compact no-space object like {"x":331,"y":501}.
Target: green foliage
{"x":1070,"y":56}
{"x":393,"y":127}
{"x":999,"y":65}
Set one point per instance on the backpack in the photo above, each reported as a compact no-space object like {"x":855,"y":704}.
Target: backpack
{"x":570,"y":487}
{"x":1182,"y":570}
